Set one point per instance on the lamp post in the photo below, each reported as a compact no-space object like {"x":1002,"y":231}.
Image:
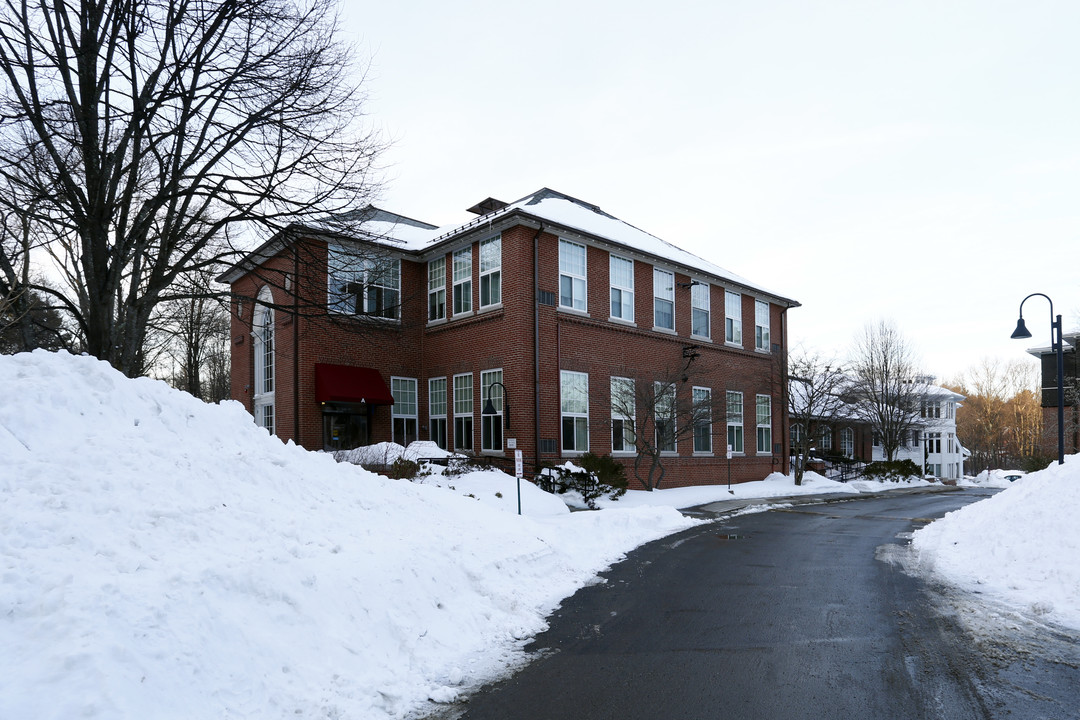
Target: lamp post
{"x":1022,"y":332}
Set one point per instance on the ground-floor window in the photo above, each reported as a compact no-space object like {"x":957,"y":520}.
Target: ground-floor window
{"x":463,"y":408}
{"x":623,"y":410}
{"x":847,"y":442}
{"x":491,"y":423}
{"x":574,"y":406}
{"x":437,"y":411}
{"x":764,"y":423}
{"x":933,"y":442}
{"x":702,"y":420}
{"x":404,"y":412}
{"x":264,"y":415}
{"x":735,"y":421}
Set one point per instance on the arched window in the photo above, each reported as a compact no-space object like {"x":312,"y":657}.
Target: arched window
{"x":262,"y":330}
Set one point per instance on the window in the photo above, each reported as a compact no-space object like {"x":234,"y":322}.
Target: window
{"x":847,"y":442}
{"x":733,"y":317}
{"x":699,"y":310}
{"x":950,"y":444}
{"x":463,"y":281}
{"x":622,"y":288}
{"x":623,"y":412}
{"x":491,"y":425}
{"x":764,"y":424}
{"x":572,"y":285}
{"x":761,"y":325}
{"x":931,"y":409}
{"x":933,"y":442}
{"x":359,"y":283}
{"x":574,"y":394}
{"x":436,"y":282}
{"x":263,"y":332}
{"x":463,"y":407}
{"x":665,"y":417}
{"x":825,"y":438}
{"x":437,"y":411}
{"x":798,"y":436}
{"x":404,"y":411}
{"x":491,"y":271}
{"x":735,"y":421}
{"x":663,"y":299}
{"x":702,"y":419}
{"x":915,"y":440}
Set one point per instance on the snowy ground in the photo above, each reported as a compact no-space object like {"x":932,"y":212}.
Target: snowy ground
{"x":162,"y":558}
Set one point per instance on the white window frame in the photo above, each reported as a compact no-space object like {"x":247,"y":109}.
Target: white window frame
{"x":491,"y":426}
{"x":622,"y":294}
{"x":847,"y":442}
{"x":735,"y":413}
{"x":762,"y":340}
{"x":463,"y":412}
{"x":763,"y":417}
{"x":462,"y":285}
{"x":623,"y":418}
{"x":573,"y":276}
{"x":437,"y":407}
{"x":437,"y":289}
{"x":702,"y":404}
{"x":663,"y":297}
{"x":263,"y":333}
{"x":491,"y":272}
{"x":574,"y":406}
{"x":700,"y":309}
{"x":405,"y":409}
{"x":732,"y":318}
{"x":664,"y":406}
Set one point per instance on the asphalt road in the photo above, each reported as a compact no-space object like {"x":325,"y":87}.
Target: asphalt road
{"x":795,"y":613}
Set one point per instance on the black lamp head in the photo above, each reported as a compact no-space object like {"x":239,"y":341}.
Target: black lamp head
{"x":1021,"y":332}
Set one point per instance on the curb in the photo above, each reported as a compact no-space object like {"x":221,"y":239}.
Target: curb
{"x":725,"y":508}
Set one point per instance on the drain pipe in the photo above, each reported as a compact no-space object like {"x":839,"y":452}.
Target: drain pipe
{"x":536,"y":347}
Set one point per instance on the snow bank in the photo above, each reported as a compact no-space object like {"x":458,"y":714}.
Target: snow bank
{"x":164,"y":558}
{"x":1021,"y":545}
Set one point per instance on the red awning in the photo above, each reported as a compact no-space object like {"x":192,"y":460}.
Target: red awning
{"x":345,"y":383}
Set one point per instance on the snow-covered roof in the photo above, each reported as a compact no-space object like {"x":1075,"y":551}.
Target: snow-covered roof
{"x":552,"y":208}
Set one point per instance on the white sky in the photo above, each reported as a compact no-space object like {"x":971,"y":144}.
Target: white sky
{"x":912,"y":161}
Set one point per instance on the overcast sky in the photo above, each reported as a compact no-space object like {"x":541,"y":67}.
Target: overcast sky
{"x":911,"y":161}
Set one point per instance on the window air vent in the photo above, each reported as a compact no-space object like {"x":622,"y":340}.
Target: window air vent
{"x":547,"y":298}
{"x":548,"y":446}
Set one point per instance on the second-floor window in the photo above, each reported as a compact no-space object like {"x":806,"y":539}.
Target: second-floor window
{"x":699,"y":312}
{"x":437,"y":289}
{"x":622,"y":288}
{"x":733,"y":318}
{"x":463,"y":281}
{"x":663,"y":299}
{"x":572,"y":284}
{"x":761,"y":325}
{"x":359,"y":282}
{"x":491,"y":271}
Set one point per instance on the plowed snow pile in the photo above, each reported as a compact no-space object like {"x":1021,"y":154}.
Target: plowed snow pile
{"x":164,"y":558}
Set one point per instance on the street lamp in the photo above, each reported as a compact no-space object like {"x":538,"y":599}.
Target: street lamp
{"x":489,"y":407}
{"x":1021,"y":332}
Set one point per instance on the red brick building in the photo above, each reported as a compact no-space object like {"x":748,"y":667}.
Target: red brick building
{"x":513,"y":331}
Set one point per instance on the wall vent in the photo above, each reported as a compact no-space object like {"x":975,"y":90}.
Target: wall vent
{"x":547,"y":298}
{"x":548,"y":446}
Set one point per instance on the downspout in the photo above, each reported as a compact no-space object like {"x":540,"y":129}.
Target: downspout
{"x":296,"y":345}
{"x":536,"y":345}
{"x":785,"y":425}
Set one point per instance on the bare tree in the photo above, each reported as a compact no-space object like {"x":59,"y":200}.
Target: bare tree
{"x":196,"y":340}
{"x":653,"y":416}
{"x":887,"y":387}
{"x":817,"y":388}
{"x":141,"y":139}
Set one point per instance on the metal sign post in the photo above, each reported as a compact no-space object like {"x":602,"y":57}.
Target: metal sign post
{"x":518,"y":472}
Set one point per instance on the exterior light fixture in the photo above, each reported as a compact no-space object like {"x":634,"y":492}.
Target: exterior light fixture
{"x":1021,"y":332}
